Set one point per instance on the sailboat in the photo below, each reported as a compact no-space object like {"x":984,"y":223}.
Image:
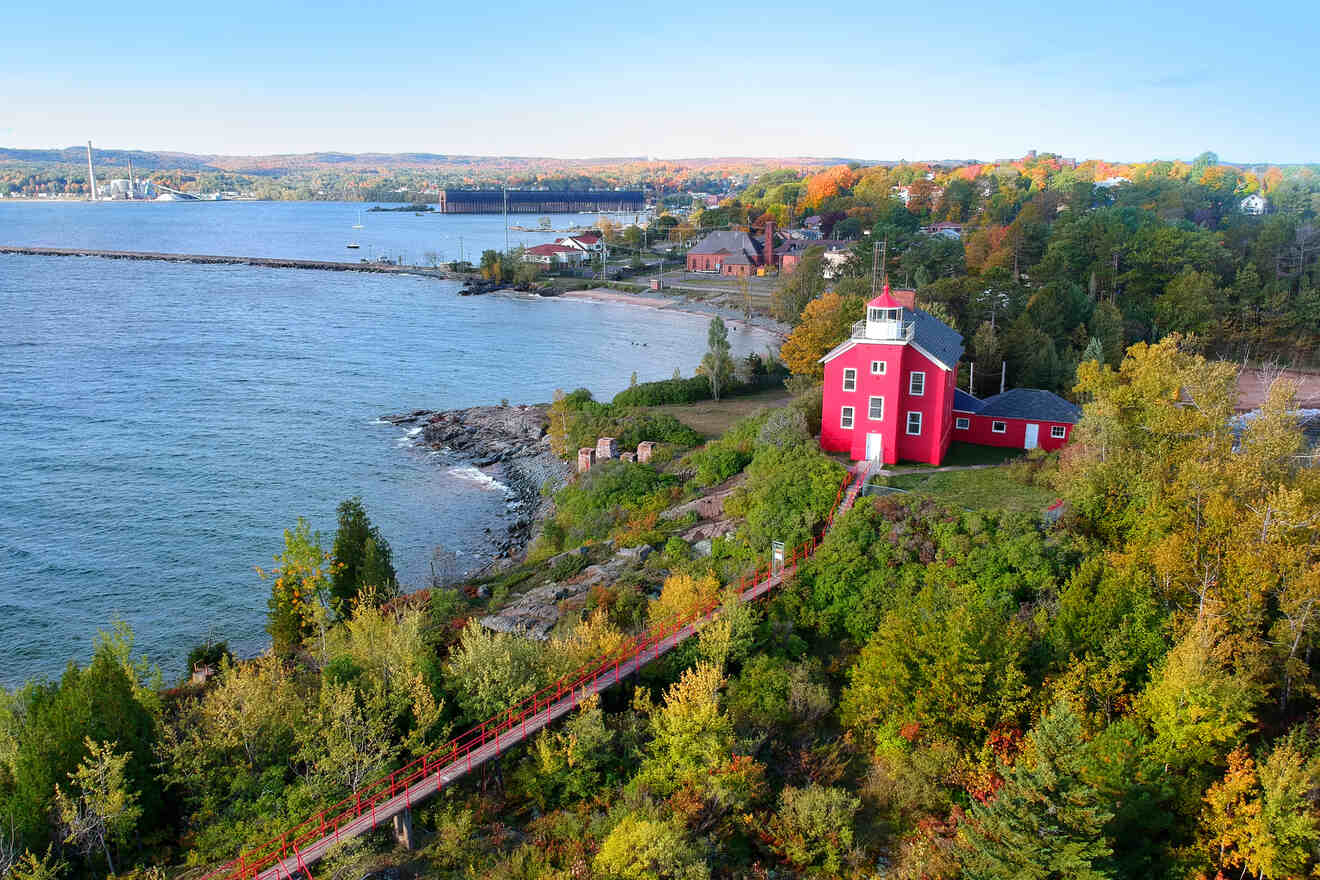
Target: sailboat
{"x":353,"y":245}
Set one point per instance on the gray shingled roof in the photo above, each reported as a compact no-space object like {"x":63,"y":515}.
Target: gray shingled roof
{"x":726,"y":240}
{"x":1030,"y":403}
{"x":964,"y":402}
{"x":935,"y":336}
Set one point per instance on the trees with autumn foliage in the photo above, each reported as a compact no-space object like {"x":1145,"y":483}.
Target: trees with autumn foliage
{"x":825,"y":322}
{"x":1164,"y":247}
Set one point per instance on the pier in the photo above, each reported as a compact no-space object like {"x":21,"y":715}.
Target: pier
{"x":537,"y":201}
{"x":217,"y":259}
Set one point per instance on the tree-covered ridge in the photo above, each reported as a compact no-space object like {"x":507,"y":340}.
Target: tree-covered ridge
{"x":1053,"y":258}
{"x":938,"y":693}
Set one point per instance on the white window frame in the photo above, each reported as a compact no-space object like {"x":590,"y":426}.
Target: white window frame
{"x":849,"y":377}
{"x":847,"y":418}
{"x":870,"y":408}
{"x":962,"y":423}
{"x":1058,"y":432}
{"x":915,"y":392}
{"x":998,"y":427}
{"x":910,"y":432}
{"x":878,"y":368}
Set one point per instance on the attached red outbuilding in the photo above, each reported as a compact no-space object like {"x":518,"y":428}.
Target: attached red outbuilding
{"x":890,"y":394}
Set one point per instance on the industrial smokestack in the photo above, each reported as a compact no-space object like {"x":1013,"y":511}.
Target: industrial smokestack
{"x":91,"y":175}
{"x":132,"y":181}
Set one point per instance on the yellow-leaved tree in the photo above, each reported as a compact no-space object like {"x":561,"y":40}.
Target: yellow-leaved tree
{"x":826,"y":321}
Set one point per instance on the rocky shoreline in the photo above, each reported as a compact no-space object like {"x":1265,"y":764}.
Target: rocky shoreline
{"x":513,"y":438}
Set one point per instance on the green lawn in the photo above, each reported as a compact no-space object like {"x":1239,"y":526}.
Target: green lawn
{"x":989,"y":488}
{"x":712,"y":418}
{"x":962,"y":454}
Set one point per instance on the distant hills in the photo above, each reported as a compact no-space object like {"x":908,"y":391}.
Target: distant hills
{"x":149,"y":159}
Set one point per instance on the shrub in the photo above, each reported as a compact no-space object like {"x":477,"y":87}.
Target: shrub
{"x":209,"y":654}
{"x":576,"y":421}
{"x":784,"y":427}
{"x":788,"y":493}
{"x":568,"y":566}
{"x":610,"y":494}
{"x":667,"y":391}
{"x":718,"y":464}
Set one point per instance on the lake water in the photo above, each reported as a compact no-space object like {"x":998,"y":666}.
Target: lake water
{"x":162,"y":424}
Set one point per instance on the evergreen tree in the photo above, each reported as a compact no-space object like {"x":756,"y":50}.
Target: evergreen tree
{"x":363,"y":559}
{"x":1046,"y":821}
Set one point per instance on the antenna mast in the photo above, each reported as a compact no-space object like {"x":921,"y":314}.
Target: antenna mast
{"x":878,"y":254}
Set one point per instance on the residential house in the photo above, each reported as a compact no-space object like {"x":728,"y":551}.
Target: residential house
{"x":794,"y":250}
{"x":553,"y":255}
{"x":586,"y":242}
{"x":890,"y":393}
{"x":944,"y":229}
{"x":1255,"y":204}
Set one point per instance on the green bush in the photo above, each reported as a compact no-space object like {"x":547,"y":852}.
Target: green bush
{"x":665,"y":392}
{"x":589,"y":508}
{"x":788,"y":493}
{"x":568,"y":566}
{"x":719,"y":464}
{"x":720,"y":459}
{"x":208,"y":654}
{"x":577,"y":421}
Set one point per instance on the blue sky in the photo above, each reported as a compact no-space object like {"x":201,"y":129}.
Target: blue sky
{"x":1120,"y":81}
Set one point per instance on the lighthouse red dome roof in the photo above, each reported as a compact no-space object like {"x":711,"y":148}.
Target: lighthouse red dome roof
{"x":885,"y":300}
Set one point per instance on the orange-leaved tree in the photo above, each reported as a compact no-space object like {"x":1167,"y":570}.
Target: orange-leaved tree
{"x":826,"y":321}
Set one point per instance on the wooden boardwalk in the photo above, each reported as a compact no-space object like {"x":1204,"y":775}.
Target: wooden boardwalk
{"x":221,"y":259}
{"x":378,"y":804}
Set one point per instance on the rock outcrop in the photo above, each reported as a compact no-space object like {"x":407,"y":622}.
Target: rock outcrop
{"x":510,"y":437}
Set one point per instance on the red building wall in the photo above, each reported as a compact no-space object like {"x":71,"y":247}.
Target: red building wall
{"x":1015,"y":434}
{"x":704,"y":262}
{"x":935,"y":405}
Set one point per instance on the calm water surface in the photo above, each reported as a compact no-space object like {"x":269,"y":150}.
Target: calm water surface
{"x":161,"y":424}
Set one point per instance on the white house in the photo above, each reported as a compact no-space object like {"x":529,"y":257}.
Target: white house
{"x":586,"y":242}
{"x":1254,"y":204}
{"x":1111,"y":182}
{"x":553,"y":255}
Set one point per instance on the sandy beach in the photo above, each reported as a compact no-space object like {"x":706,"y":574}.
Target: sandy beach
{"x":732,"y":317}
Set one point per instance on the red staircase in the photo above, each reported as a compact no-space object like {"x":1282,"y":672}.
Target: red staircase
{"x":366,"y":809}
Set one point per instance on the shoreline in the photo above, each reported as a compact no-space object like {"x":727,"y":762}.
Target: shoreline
{"x":681,"y":304}
{"x":515,"y":439}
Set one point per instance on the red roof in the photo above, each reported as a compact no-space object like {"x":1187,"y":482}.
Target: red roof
{"x":896,"y":298}
{"x":885,"y":301}
{"x":549,"y":250}
{"x":587,"y":239}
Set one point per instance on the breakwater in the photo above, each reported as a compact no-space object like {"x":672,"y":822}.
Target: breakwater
{"x":220,"y":259}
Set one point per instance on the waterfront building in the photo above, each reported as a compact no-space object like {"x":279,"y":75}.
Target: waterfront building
{"x":890,"y":393}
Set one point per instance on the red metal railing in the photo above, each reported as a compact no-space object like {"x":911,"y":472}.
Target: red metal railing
{"x":505,"y":729}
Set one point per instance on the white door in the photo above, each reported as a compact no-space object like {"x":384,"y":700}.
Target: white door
{"x":875,"y":447}
{"x":1033,"y":432}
